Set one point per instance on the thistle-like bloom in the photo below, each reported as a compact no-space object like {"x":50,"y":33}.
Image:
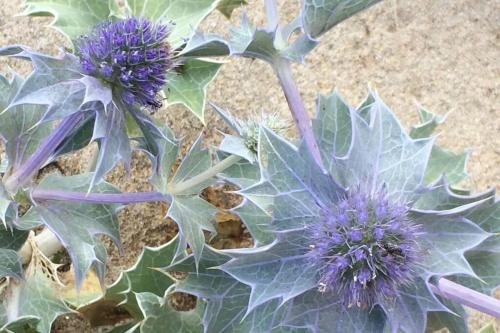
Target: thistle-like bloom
{"x":356,"y":248}
{"x":367,"y":247}
{"x":132,"y":55}
{"x":250,"y":129}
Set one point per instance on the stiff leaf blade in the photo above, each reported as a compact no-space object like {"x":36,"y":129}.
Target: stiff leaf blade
{"x":77,"y":224}
{"x":320,"y":16}
{"x":71,"y":17}
{"x":159,"y":314}
{"x":189,"y":87}
{"x":143,"y":277}
{"x":185,"y":14}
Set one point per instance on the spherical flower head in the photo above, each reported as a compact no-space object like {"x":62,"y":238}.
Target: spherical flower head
{"x":366,"y":248}
{"x":131,"y":55}
{"x":273,"y":121}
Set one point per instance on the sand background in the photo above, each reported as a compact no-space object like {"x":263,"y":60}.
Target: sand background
{"x":443,"y":54}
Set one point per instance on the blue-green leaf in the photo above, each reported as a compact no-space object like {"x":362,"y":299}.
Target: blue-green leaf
{"x":189,"y":88}
{"x":226,"y":298}
{"x":185,"y":14}
{"x":320,"y":16}
{"x":408,"y":312}
{"x":77,"y":224}
{"x":320,"y":313}
{"x":35,"y":301}
{"x":160,"y":316}
{"x":143,"y":277}
{"x":226,"y":7}
{"x":71,"y":17}
{"x":280,"y":270}
{"x":380,"y":154}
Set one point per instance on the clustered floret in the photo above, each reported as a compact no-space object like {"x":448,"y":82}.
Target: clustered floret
{"x":366,"y":248}
{"x":132,"y":55}
{"x":251,"y":128}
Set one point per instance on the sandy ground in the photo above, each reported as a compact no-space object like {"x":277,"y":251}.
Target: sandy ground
{"x":442,"y":54}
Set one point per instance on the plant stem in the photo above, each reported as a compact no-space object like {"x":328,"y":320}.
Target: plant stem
{"x":271,"y":13}
{"x":22,"y":175}
{"x":296,"y":105}
{"x":98,"y":198}
{"x":468,"y":297}
{"x":46,"y":242}
{"x":207,"y":174}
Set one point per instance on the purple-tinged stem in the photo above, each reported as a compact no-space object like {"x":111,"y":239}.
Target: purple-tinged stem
{"x":98,"y":198}
{"x":297,"y":107}
{"x":468,"y":297}
{"x":22,"y":175}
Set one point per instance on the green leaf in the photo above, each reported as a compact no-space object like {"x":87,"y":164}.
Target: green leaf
{"x":487,"y":329}
{"x":226,"y":7}
{"x":205,"y":45}
{"x":26,"y":324}
{"x":193,"y":215}
{"x":143,"y":277}
{"x":320,"y":313}
{"x":20,"y":126}
{"x":281,"y":270}
{"x":57,"y":83}
{"x":446,"y":240}
{"x":445,"y":162}
{"x":269,"y":44}
{"x":428,"y":123}
{"x":409,"y":311}
{"x":333,"y":127}
{"x":71,"y":17}
{"x":157,"y":311}
{"x":226,"y":298}
{"x":10,"y":264}
{"x":320,"y":16}
{"x":77,"y":224}
{"x":456,"y":322}
{"x":186,"y":15}
{"x":36,"y":298}
{"x":442,"y":161}
{"x":8,"y":209}
{"x":11,"y":240}
{"x":189,"y":87}
{"x":380,"y":152}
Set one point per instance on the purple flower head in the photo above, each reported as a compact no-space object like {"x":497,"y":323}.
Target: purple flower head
{"x":378,"y":253}
{"x":132,"y":55}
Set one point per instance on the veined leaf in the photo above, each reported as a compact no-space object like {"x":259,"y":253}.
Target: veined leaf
{"x":280,"y":270}
{"x":205,"y":45}
{"x":455,"y":322}
{"x":442,"y":161}
{"x":185,"y":14}
{"x":77,"y":224}
{"x":11,"y":240}
{"x":26,"y":324}
{"x":409,"y":312}
{"x":320,"y":313}
{"x":380,"y":153}
{"x":320,"y":16}
{"x":269,"y":44}
{"x":226,"y":298}
{"x":35,"y":300}
{"x":144,"y":277}
{"x":71,"y":17}
{"x":189,"y":88}
{"x":160,"y":316}
{"x":17,"y":124}
{"x":226,"y":7}
{"x":10,"y":264}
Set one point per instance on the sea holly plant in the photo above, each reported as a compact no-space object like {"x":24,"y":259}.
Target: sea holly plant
{"x":357,"y":225}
